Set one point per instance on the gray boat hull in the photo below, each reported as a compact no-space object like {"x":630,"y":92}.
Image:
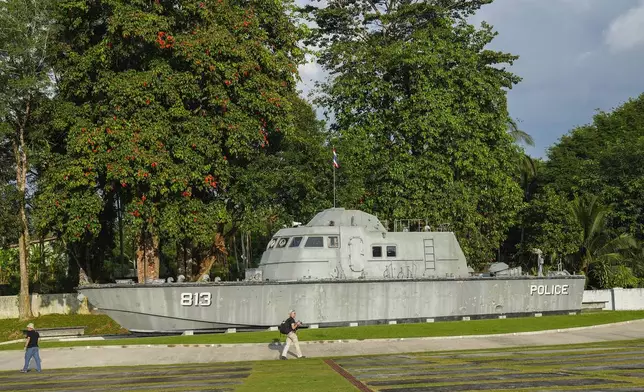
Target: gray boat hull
{"x":260,"y":305}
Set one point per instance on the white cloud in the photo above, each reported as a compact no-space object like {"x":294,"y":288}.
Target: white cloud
{"x":627,"y":30}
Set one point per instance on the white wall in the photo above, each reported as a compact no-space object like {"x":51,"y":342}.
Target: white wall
{"x":617,"y":299}
{"x":42,"y":304}
{"x":628,"y":299}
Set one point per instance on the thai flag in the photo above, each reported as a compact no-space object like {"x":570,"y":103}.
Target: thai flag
{"x":335,"y":159}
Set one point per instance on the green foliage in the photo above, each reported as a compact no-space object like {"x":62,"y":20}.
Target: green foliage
{"x":602,"y":275}
{"x":550,"y":225}
{"x":166,"y":107}
{"x":293,"y":182}
{"x":601,"y":256}
{"x":606,"y":158}
{"x":8,"y":215}
{"x":420,"y":116}
{"x":48,"y":269}
{"x":9,"y":270}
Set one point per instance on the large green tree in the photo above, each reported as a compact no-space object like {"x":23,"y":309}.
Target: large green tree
{"x":420,"y":115}
{"x":25,"y":41}
{"x":549,"y":224}
{"x":163,"y":102}
{"x":605,"y":158}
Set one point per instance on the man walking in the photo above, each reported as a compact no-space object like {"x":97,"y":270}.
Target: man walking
{"x":291,"y":336}
{"x":31,"y":349}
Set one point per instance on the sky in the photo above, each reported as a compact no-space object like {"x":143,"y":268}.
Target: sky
{"x":575,"y":56}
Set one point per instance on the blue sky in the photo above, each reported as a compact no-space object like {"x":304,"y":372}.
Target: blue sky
{"x":576,"y":56}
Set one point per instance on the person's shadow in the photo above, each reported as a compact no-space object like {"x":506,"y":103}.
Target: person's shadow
{"x":278,"y":345}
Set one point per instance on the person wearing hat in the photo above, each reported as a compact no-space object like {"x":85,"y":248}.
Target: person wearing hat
{"x":31,"y":349}
{"x":291,"y":336}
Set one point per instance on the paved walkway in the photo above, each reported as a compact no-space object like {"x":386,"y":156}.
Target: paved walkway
{"x":163,"y":354}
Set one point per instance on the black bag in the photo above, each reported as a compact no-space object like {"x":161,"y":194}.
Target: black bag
{"x":284,"y":328}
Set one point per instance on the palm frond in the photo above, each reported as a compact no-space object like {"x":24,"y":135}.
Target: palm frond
{"x":591,"y":215}
{"x":518,"y":135}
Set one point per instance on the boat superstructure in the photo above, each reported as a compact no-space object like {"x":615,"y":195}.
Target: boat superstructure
{"x":343,"y":267}
{"x":341,"y":244}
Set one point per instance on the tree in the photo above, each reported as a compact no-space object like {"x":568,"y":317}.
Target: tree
{"x":527,"y":167}
{"x":163,"y":105}
{"x":605,"y":158}
{"x":600,"y":255}
{"x":24,"y":81}
{"x":550,"y":226}
{"x":420,"y":115}
{"x":294,"y":179}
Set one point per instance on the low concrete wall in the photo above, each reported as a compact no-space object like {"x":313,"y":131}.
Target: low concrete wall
{"x":616,"y":299}
{"x":42,"y":304}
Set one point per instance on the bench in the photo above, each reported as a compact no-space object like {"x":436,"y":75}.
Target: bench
{"x":59,"y":332}
{"x":594,"y":305}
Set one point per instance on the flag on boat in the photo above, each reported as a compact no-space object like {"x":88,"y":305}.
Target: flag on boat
{"x":335,"y":159}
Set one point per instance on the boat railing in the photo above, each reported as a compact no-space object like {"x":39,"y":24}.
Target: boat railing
{"x":414,"y":225}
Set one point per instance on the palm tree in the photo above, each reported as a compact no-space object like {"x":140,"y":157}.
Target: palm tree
{"x":527,"y":168}
{"x":518,"y":135}
{"x":599,"y":254}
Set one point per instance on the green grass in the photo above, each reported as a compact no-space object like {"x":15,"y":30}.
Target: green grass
{"x":11,"y":329}
{"x":313,"y":375}
{"x":453,"y":328}
{"x":310,"y":375}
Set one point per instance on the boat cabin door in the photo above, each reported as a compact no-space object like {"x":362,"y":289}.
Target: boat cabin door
{"x":356,"y":256}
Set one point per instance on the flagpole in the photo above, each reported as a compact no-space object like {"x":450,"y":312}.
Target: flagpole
{"x":333,"y":186}
{"x":335,"y":166}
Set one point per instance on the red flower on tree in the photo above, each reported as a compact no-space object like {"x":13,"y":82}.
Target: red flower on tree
{"x":165,"y":40}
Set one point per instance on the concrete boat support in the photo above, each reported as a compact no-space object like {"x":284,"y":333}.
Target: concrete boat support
{"x":261,"y":305}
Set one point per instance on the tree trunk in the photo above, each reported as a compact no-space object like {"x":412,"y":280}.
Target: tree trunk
{"x":147,"y":257}
{"x":20,"y":154}
{"x":218,"y":253}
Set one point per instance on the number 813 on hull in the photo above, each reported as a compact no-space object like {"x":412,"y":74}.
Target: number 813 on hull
{"x":196,"y":299}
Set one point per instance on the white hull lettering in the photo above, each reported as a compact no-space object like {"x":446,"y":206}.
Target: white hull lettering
{"x":554,"y":289}
{"x":196,"y":299}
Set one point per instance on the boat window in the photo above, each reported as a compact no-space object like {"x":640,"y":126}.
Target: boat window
{"x":376,"y":251}
{"x":314,"y":242}
{"x":391,"y":251}
{"x":296,"y":242}
{"x":282,"y":242}
{"x":272,"y":243}
{"x":333,"y":242}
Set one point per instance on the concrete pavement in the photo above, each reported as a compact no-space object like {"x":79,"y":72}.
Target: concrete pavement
{"x":178,"y":354}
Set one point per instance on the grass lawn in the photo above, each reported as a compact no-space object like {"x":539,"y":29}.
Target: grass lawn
{"x":310,"y":375}
{"x":11,"y":329}
{"x":520,"y":369}
{"x":104,"y":325}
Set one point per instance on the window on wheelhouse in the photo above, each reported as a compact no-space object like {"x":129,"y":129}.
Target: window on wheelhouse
{"x":281,"y":243}
{"x":391,"y":251}
{"x":376,"y":251}
{"x":271,"y":244}
{"x":333,"y":242}
{"x":295,"y":243}
{"x":314,"y":242}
